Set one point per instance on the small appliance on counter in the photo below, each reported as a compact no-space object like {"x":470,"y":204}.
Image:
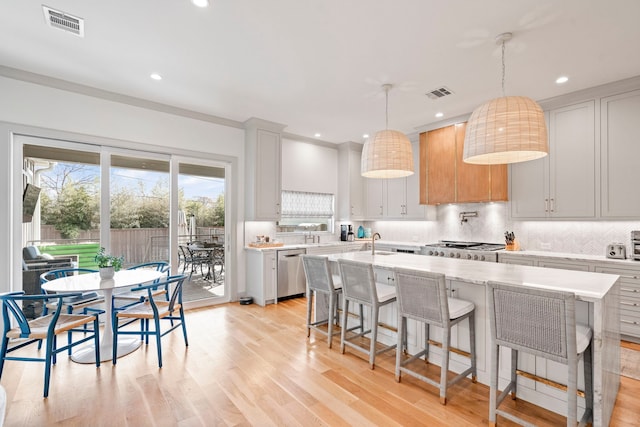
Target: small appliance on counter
{"x":616,"y":251}
{"x":635,"y":245}
{"x":344,"y":232}
{"x":350,"y":236}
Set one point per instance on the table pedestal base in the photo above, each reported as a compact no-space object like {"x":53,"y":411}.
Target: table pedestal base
{"x":88,"y":354}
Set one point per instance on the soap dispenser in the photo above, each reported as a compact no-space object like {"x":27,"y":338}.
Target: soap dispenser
{"x":360,"y":232}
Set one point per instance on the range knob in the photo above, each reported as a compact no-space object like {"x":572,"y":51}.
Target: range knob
{"x":468,"y":256}
{"x":451,"y":255}
{"x":475,"y":257}
{"x":441,"y":253}
{"x":458,"y":255}
{"x":430,"y":252}
{"x":482,"y":258}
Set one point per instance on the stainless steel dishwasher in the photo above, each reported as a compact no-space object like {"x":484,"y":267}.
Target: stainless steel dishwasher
{"x":291,"y":280}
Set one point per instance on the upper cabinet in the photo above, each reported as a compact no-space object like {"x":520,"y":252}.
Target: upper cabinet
{"x":262,"y":170}
{"x":351,"y":205}
{"x":620,"y":151}
{"x":447,"y":179}
{"x":562,"y":184}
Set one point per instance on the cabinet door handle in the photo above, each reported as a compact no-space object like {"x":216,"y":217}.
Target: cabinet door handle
{"x":629,"y":290}
{"x":380,"y":210}
{"x":628,"y":321}
{"x":552,"y":204}
{"x":631,"y":304}
{"x":546,"y":205}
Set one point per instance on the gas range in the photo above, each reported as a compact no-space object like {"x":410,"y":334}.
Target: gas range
{"x":478,"y":251}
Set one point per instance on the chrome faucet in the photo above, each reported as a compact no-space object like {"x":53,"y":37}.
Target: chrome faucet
{"x":373,"y":242}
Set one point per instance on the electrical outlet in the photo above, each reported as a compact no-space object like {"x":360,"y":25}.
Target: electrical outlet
{"x":545,"y":246}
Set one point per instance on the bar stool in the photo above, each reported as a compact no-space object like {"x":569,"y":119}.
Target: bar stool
{"x":359,"y":286}
{"x":422,"y":296}
{"x":320,"y":280}
{"x":542,"y":323}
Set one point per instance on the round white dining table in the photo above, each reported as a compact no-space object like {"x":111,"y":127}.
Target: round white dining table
{"x":93,"y":282}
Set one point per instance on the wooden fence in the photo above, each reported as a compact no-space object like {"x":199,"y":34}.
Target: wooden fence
{"x":137,"y":245}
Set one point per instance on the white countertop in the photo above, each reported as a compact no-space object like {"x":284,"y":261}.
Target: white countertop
{"x":573,"y":257}
{"x":587,"y":286}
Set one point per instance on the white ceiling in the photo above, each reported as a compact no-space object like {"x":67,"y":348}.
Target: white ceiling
{"x":317,"y":65}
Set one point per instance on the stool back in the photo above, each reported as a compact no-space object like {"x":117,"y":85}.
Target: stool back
{"x":536,"y":321}
{"x":422,"y":296}
{"x":358,"y":282}
{"x":318,"y":273}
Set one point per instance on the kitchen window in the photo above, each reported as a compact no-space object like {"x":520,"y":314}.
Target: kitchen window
{"x":303,"y":212}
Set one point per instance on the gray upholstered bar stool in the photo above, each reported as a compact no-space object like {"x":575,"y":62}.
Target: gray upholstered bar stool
{"x":542,"y":323}
{"x":359,"y":286}
{"x":320,"y":281}
{"x":422,"y":296}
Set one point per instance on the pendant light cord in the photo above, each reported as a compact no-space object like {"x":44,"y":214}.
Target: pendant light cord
{"x":503,"y":69}
{"x":386,"y":108}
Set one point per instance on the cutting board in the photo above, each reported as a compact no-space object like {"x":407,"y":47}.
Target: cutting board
{"x":265,"y":244}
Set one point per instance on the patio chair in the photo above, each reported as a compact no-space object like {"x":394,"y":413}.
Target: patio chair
{"x":189,"y":258}
{"x":152,"y":309}
{"x":42,"y":328}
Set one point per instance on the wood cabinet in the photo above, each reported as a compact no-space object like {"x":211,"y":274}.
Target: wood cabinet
{"x":446,"y":178}
{"x":263,"y":190}
{"x":563,"y":184}
{"x":351,"y":205}
{"x":620,"y":152}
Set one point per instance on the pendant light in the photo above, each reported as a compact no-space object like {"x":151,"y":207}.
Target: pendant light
{"x":387,"y":154}
{"x":510,"y":129}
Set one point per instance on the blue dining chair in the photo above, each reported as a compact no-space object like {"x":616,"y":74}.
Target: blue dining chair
{"x":152,"y":309}
{"x":47,"y":328}
{"x":85,"y":302}
{"x":130,"y":297}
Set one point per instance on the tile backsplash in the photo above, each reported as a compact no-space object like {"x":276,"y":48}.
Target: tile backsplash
{"x":580,"y":237}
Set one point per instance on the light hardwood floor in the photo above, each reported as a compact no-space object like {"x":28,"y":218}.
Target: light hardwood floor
{"x":248,"y":365}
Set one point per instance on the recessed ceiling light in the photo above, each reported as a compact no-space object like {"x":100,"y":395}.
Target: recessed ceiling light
{"x":156,"y":76}
{"x":438,"y":115}
{"x":317,"y":135}
{"x":562,"y":79}
{"x":365,"y":135}
{"x":200,"y":3}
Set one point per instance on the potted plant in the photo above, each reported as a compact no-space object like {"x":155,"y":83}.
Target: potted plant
{"x":108,"y":264}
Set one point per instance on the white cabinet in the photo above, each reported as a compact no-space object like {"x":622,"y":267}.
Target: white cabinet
{"x":262,"y":170}
{"x":262,"y":276}
{"x":620,"y":152}
{"x":563,"y":184}
{"x":397,"y":198}
{"x":375,"y":197}
{"x":629,"y":298}
{"x":351,"y":184}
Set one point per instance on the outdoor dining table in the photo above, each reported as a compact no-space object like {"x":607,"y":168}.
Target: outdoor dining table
{"x":212,"y":251}
{"x":93,"y":282}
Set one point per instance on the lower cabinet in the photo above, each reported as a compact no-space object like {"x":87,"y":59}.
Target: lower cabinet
{"x":629,"y":298}
{"x":262,"y":276}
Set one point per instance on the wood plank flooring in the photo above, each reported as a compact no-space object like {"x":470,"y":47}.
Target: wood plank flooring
{"x":248,"y":365}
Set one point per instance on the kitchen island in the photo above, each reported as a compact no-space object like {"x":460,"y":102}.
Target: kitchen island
{"x":597,"y":305}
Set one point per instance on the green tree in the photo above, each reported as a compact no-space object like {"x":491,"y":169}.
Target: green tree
{"x":74,"y":211}
{"x":218,"y":211}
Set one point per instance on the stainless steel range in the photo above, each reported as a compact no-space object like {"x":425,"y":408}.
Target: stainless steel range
{"x":463,"y":250}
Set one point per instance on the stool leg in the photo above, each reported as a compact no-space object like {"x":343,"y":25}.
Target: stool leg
{"x":401,"y":332}
{"x":330,"y":317}
{"x":446,"y":339}
{"x":375,"y":311}
{"x":472,"y":345}
{"x":426,"y":343}
{"x":588,"y":382}
{"x":514,"y":376}
{"x":309,"y":304}
{"x":493,"y":386}
{"x":343,"y":331}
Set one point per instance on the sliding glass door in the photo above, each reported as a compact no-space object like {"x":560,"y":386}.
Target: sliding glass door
{"x":144,"y":206}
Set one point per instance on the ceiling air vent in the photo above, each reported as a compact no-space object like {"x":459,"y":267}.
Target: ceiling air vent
{"x":63,"y":21}
{"x":439,"y":93}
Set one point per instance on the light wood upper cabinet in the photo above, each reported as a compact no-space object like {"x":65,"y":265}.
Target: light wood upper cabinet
{"x":448,"y":179}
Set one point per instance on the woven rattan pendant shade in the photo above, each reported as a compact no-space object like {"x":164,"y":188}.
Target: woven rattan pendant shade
{"x":510,"y":129}
{"x":388,"y":153}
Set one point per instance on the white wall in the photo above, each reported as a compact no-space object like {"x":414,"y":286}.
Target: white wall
{"x":44,"y":111}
